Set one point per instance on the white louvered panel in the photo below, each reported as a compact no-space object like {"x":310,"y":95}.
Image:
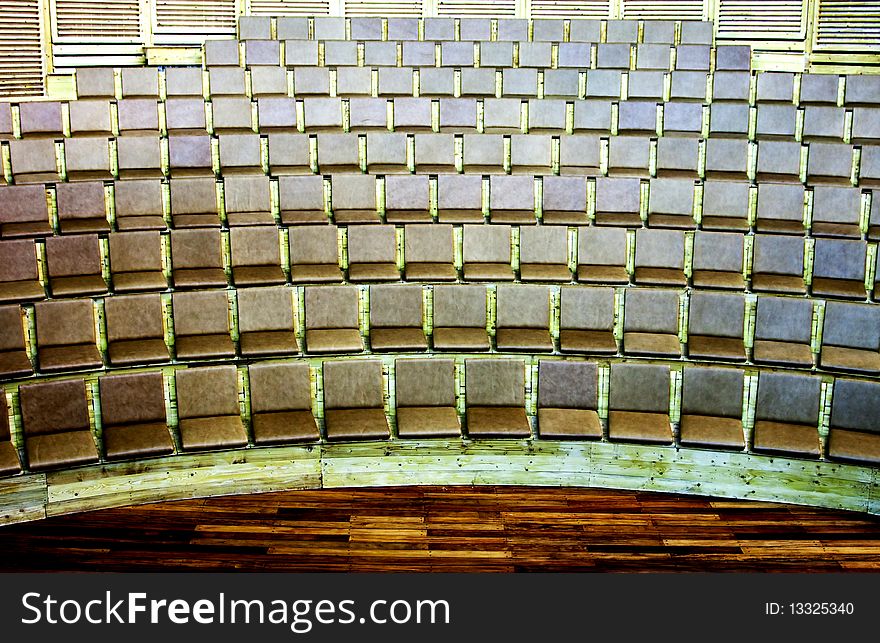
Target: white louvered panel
{"x":570,"y":8}
{"x":21,"y":61}
{"x":475,"y":8}
{"x":848,"y":26}
{"x":82,"y":21}
{"x":664,"y":10}
{"x":195,"y":16}
{"x":383,"y":8}
{"x":768,"y":20}
{"x":289,"y":8}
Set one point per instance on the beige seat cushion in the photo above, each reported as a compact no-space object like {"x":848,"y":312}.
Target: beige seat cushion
{"x":284,"y":426}
{"x":587,"y":341}
{"x":137,"y":441}
{"x":334,"y":340}
{"x":427,"y":421}
{"x":222,"y":432}
{"x":461,"y":339}
{"x":651,"y":344}
{"x":498,"y":421}
{"x":569,"y":423}
{"x":857,"y":446}
{"x":61,"y":450}
{"x":714,"y":432}
{"x":636,"y":426}
{"x":356,"y":424}
{"x":784,"y":437}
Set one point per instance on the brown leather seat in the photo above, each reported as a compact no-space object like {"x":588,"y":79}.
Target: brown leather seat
{"x":136,"y":261}
{"x":33,"y":161}
{"x":81,"y":208}
{"x":523,"y":318}
{"x":836,"y":211}
{"x":565,"y":200}
{"x":659,"y":258}
{"x":332,"y":320}
{"x":718,"y":260}
{"x":201,"y":325}
{"x":725,"y":206}
{"x":671,"y":203}
{"x":568,"y":398}
{"x":638,"y":405}
{"x":780,"y":208}
{"x":617,"y":201}
{"x":140,"y":155}
{"x":133,"y":416}
{"x":207,"y":408}
{"x":14,"y":360}
{"x":650,"y":323}
{"x":139,"y":205}
{"x":712,"y":408}
{"x":778,"y":264}
{"x":407,"y":197}
{"x":74,"y":266}
{"x":19,"y":276}
{"x":715,"y":327}
{"x":486,"y":253}
{"x":460,"y":319}
{"x":135,"y":331}
{"x":851,"y":338}
{"x":353,"y":198}
{"x":248,"y":201}
{"x":25,"y":211}
{"x":586,"y":320}
{"x":459,"y":196}
{"x":496,"y":398}
{"x":544,"y":254}
{"x":301,"y":198}
{"x":55,"y":420}
{"x":602,"y":256}
{"x":429,"y":252}
{"x":372,"y":253}
{"x":256,"y":256}
{"x":314,"y":255}
{"x":197,"y":259}
{"x":9,"y":461}
{"x":855,"y":422}
{"x":425,"y":398}
{"x":266,"y":322}
{"x":194,"y":203}
{"x":839,"y":268}
{"x":66,"y":336}
{"x":354,"y":399}
{"x":787,"y":414}
{"x":512,"y":199}
{"x":396,"y":318}
{"x":783,"y":332}
{"x":281,"y":403}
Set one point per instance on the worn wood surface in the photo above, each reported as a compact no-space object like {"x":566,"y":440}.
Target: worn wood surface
{"x":484,"y":528}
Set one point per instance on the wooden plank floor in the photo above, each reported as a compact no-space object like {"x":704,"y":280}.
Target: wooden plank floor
{"x":449,"y":529}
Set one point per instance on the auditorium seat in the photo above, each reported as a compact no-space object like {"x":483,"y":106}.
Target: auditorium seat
{"x":839,"y":268}
{"x":495,"y":395}
{"x":274,"y":113}
{"x":185,"y":116}
{"x":459,"y":198}
{"x":866,"y":125}
{"x":728,"y":159}
{"x":678,"y":156}
{"x":440,"y":81}
{"x":14,"y":361}
{"x":366,"y":114}
{"x":396,"y":318}
{"x":55,"y":422}
{"x":139,"y":205}
{"x":671,"y":203}
{"x":712,"y":408}
{"x":138,"y":115}
{"x":531,"y":154}
{"x":407,"y":199}
{"x":266,"y":322}
{"x":544,"y":254}
{"x":289,"y":154}
{"x":638,"y":404}
{"x":281,"y":403}
{"x":778,"y":264}
{"x":718,"y":261}
{"x":851,"y":338}
{"x":586,"y":323}
{"x":830,"y":163}
{"x":354,"y":400}
{"x":372,"y":253}
{"x":314,"y":254}
{"x":256,"y":256}
{"x":240,"y":153}
{"x":10,"y":464}
{"x":874,"y":217}
{"x":321,"y":114}
{"x":564,"y":200}
{"x":780,"y":208}
{"x":486,"y":253}
{"x":208,"y":410}
{"x":824,"y":122}
{"x":134,"y":424}
{"x":617,"y":201}
{"x":523,"y":318}
{"x":547,"y":115}
{"x":189,"y":156}
{"x":141,"y":156}
{"x":353,"y":199}
{"x":637,"y":117}
{"x":331,"y":321}
{"x":41,"y":118}
{"x":354,"y":81}
{"x":568,"y":400}
{"x":226,"y":81}
{"x":425,"y":398}
{"x":135,"y":330}
{"x":25,"y":212}
{"x":301,"y":199}
{"x":33,"y":160}
{"x":19,"y":275}
{"x":855,"y":422}
{"x":194,"y":203}
{"x":87,"y":158}
{"x":90,"y":117}
{"x":410,"y":115}
{"x":339,"y":153}
{"x":512,"y":199}
{"x":650,"y":323}
{"x":74,"y":266}
{"x":483,"y":153}
{"x":136,"y":262}
{"x":81,"y":208}
{"x":782,"y":332}
{"x":602,"y":256}
{"x":197,"y":259}
{"x":716,"y":327}
{"x":429,"y":252}
{"x":460,"y":318}
{"x":201,"y":325}
{"x":725,"y":206}
{"x":221,"y":52}
{"x":787,"y":414}
{"x":659,"y":258}
{"x":836,"y":212}
{"x":580,"y":154}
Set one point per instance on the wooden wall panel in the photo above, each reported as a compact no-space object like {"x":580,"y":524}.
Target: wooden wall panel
{"x":21,"y":46}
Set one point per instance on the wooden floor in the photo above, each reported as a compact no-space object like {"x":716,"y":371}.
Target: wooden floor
{"x":449,"y":529}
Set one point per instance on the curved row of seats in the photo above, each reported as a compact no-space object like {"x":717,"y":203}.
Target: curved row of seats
{"x":710,"y":408}
{"x":660,"y":323}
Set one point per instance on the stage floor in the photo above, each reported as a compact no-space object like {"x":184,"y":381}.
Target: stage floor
{"x":449,"y":529}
